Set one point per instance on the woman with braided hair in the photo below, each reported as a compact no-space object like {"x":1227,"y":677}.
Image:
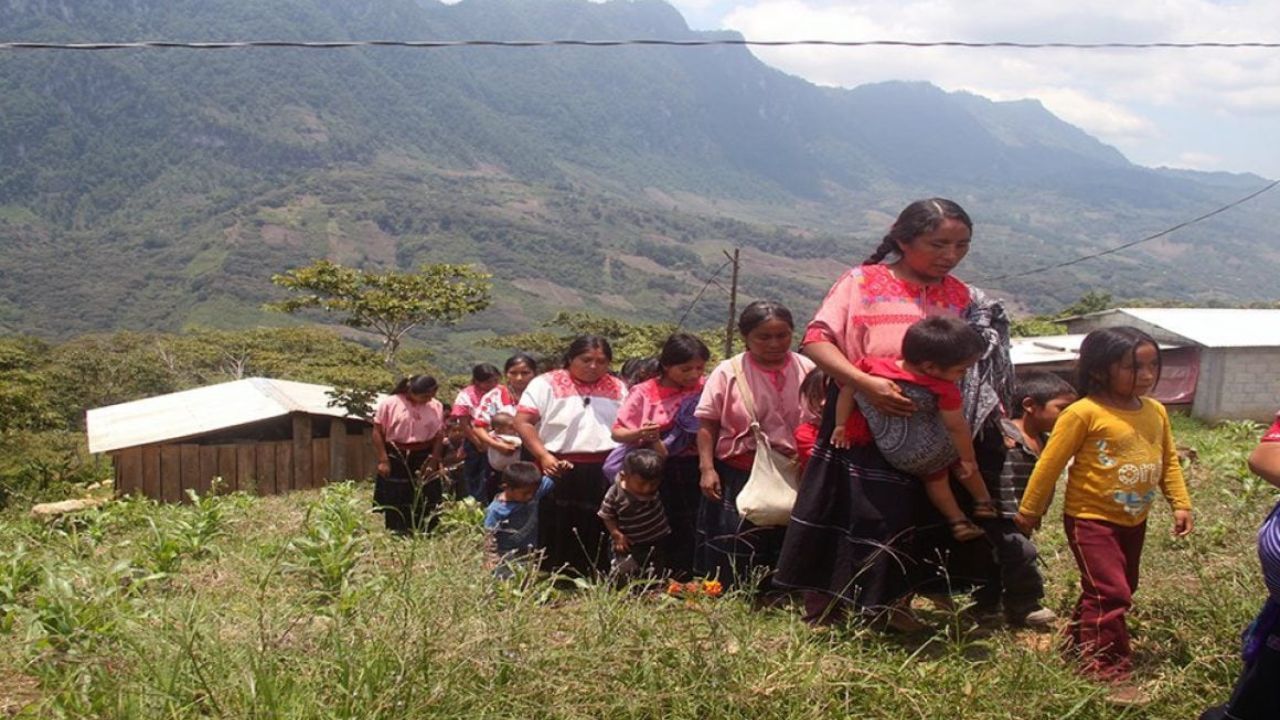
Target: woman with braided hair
{"x":863,"y":535}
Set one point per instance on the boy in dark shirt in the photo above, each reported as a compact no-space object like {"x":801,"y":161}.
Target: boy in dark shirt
{"x":1041,"y":396}
{"x":632,"y":513}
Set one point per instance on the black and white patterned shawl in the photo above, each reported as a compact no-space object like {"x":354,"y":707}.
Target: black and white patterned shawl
{"x":988,"y":385}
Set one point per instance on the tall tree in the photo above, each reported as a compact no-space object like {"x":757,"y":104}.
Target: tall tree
{"x":390,"y":303}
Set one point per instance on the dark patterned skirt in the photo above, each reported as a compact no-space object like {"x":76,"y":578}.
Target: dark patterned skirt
{"x":570,"y":533}
{"x":681,"y":499}
{"x":407,"y":504}
{"x":865,"y":534}
{"x":729,"y":548}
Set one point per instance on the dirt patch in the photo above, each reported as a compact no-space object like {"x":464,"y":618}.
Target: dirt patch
{"x":367,"y":241}
{"x":549,"y":291}
{"x":304,"y":123}
{"x":644,"y":264}
{"x":17,"y":691}
{"x":615,"y":301}
{"x":280,"y":236}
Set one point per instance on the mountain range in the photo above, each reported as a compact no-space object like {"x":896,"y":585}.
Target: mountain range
{"x":156,"y":189}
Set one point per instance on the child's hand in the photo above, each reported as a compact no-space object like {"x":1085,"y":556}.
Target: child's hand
{"x":1182,"y":523}
{"x":649,"y":433}
{"x":838,"y":438}
{"x":384,"y":468}
{"x":553,"y":467}
{"x":1026,"y":525}
{"x":621,"y":545}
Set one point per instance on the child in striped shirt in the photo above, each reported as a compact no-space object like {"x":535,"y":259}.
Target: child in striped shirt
{"x":632,"y":513}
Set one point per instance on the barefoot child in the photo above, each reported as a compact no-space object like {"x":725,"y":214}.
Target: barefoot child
{"x":934,"y":441}
{"x":1124,"y":455}
{"x":632,"y":513}
{"x":1039,"y":398}
{"x":511,"y":521}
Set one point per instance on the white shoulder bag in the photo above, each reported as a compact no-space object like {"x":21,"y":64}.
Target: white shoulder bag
{"x":770,"y":492}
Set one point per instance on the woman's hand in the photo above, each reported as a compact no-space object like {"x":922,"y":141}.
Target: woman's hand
{"x":710,"y":485}
{"x":553,"y":467}
{"x":885,"y":396}
{"x":384,"y":468}
{"x":505,"y":448}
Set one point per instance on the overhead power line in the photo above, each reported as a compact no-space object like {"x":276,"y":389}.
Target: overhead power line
{"x":441,"y":44}
{"x":1118,"y":248}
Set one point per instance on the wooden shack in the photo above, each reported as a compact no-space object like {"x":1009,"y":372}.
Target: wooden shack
{"x":259,"y":435}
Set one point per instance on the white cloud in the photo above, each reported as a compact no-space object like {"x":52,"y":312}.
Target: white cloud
{"x":1114,"y":94}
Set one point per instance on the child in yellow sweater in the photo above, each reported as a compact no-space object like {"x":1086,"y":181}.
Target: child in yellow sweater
{"x":1124,"y":454}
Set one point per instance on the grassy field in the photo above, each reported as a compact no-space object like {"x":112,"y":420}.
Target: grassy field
{"x":301,"y":607}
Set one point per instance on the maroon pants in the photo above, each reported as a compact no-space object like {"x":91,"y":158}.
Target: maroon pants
{"x":1108,"y":556}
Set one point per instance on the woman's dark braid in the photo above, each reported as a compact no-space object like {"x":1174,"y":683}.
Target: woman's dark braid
{"x":887,"y":245}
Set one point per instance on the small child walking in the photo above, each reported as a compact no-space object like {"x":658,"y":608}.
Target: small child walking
{"x":1040,"y":397}
{"x":1123,"y":451}
{"x":511,"y":520}
{"x":935,"y":441}
{"x":632,"y":513}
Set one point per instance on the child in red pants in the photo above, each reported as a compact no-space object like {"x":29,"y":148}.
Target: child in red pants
{"x":1124,"y":455}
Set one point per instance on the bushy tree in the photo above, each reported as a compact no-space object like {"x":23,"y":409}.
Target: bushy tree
{"x":389,"y":303}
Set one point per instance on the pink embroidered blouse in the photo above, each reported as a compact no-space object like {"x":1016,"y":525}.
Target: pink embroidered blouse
{"x":404,"y":422}
{"x":651,"y":402}
{"x":776,"y":396}
{"x":868,"y":310}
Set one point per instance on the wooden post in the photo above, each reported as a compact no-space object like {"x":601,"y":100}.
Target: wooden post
{"x":128,"y":465}
{"x":733,"y":305}
{"x":190,"y":469}
{"x":301,"y":451}
{"x":246,"y":460}
{"x":337,"y":449}
{"x":151,"y":472}
{"x":284,"y":467}
{"x":266,"y":468}
{"x":170,"y":473}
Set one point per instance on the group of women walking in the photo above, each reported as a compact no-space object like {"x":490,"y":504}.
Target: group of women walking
{"x":862,"y":534}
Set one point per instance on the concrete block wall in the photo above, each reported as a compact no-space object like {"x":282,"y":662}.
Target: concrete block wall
{"x":1248,"y":386}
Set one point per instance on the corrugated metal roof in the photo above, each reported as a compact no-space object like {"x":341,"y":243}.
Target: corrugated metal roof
{"x":1215,"y":327}
{"x":1046,"y":349}
{"x":203,"y":410}
{"x":1051,"y":349}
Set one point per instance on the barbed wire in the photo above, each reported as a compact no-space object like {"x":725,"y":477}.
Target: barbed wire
{"x":642,"y":42}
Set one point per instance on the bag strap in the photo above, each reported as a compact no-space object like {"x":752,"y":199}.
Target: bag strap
{"x":744,"y":388}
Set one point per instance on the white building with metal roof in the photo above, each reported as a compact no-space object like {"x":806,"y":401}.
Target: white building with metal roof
{"x":1231,"y":357}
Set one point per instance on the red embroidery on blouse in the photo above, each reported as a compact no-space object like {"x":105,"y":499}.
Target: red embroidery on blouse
{"x":655,"y":392}
{"x":877,"y":284}
{"x":563,"y":385}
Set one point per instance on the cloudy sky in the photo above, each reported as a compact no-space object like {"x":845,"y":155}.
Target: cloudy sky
{"x":1206,"y":109}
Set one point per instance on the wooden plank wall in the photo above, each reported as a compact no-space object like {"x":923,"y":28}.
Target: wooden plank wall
{"x":165,"y":472}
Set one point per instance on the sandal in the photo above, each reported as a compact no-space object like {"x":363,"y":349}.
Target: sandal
{"x":985,"y":510}
{"x":964,"y":530}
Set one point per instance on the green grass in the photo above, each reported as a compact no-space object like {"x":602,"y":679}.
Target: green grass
{"x":302,"y":607}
